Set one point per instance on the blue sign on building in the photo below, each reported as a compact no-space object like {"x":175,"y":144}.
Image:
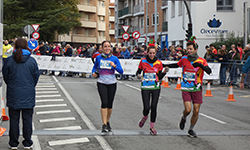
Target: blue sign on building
{"x":32,"y":43}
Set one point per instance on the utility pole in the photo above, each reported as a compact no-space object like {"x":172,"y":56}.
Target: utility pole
{"x":147,"y":1}
{"x":245,"y":23}
{"x":155,"y":21}
{"x":116,"y":21}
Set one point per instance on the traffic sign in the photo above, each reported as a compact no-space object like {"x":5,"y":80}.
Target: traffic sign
{"x":125,"y":36}
{"x":35,"y":26}
{"x":32,"y":43}
{"x":136,"y":34}
{"x":35,"y":35}
{"x":125,"y":28}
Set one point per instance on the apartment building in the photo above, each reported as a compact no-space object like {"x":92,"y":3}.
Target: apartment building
{"x":112,"y":23}
{"x":133,"y":13}
{"x":94,"y":24}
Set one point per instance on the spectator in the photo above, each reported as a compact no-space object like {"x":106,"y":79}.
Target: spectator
{"x":209,"y":55}
{"x":43,"y":48}
{"x":213,"y":49}
{"x":51,"y":47}
{"x":222,"y":58}
{"x":125,"y":53}
{"x":84,"y":52}
{"x":234,"y":56}
{"x":69,"y":50}
{"x":164,"y":52}
{"x":97,"y":53}
{"x":6,"y":47}
{"x":247,"y":52}
{"x":240,"y":50}
{"x":245,"y":70}
{"x":20,"y":73}
{"x":173,"y":55}
{"x":116,"y":52}
{"x":159,"y":53}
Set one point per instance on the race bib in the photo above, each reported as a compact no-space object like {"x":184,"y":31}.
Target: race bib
{"x":105,"y":64}
{"x":189,"y":76}
{"x":149,"y":76}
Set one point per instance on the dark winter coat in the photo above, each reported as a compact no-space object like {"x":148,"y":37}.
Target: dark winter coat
{"x":21,"y":79}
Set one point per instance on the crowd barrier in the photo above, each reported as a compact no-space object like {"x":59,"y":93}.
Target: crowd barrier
{"x":130,"y":66}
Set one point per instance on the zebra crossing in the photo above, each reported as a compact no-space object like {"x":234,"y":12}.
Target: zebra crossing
{"x":49,"y":101}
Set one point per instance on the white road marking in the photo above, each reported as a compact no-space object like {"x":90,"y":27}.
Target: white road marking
{"x":45,"y":89}
{"x":86,"y":120}
{"x":36,"y":143}
{"x":56,"y":119}
{"x":55,"y":105}
{"x":47,"y":92}
{"x":133,"y":87}
{"x":45,"y":86}
{"x":43,"y":96}
{"x":245,"y":96}
{"x":69,"y":141}
{"x":49,"y":100}
{"x":52,"y":112}
{"x":65,"y":128}
{"x":214,"y":119}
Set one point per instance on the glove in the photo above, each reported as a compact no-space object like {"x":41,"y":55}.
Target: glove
{"x":138,"y":76}
{"x":197,"y":65}
{"x":166,"y":69}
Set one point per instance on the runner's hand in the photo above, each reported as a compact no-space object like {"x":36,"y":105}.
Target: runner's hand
{"x":166,"y":70}
{"x":138,"y":76}
{"x":242,"y":86}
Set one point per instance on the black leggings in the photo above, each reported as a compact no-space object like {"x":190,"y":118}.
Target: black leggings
{"x":107,"y":94}
{"x":146,"y":94}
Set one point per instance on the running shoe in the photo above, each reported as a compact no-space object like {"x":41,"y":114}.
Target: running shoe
{"x":108,"y":126}
{"x":192,"y":134}
{"x":182,"y":123}
{"x":142,"y":121}
{"x":153,"y":131}
{"x":104,"y":128}
{"x":11,"y":147}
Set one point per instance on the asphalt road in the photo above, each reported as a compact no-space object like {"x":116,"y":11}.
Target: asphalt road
{"x":67,"y":116}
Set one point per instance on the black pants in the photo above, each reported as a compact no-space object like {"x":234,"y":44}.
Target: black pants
{"x":14,"y":126}
{"x":107,"y":94}
{"x":146,"y":94}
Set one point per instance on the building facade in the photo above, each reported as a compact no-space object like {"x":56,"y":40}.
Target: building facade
{"x":94,"y":24}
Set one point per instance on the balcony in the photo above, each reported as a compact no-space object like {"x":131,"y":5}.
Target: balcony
{"x":164,"y":2}
{"x":101,"y":11}
{"x":101,"y":26}
{"x":101,"y":39}
{"x":123,"y":12}
{"x":112,"y":18}
{"x":138,"y":10}
{"x":83,"y":39}
{"x":164,"y":26}
{"x":111,"y":31}
{"x":88,"y":23}
{"x":86,"y":8}
{"x":64,"y":37}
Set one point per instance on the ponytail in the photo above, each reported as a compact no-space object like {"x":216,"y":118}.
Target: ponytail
{"x":18,"y":55}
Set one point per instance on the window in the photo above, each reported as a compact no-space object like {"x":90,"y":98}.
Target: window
{"x":142,"y":22}
{"x":125,"y":4}
{"x":109,"y":12}
{"x":153,"y":19}
{"x":74,"y":31}
{"x":86,"y":32}
{"x":147,"y":20}
{"x":86,"y":2}
{"x":173,"y":9}
{"x":224,"y":5}
{"x":101,"y":18}
{"x":101,"y":33}
{"x":180,"y":8}
{"x":110,"y":25}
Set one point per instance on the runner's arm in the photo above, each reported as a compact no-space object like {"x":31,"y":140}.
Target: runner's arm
{"x":207,"y":69}
{"x":160,"y":75}
{"x":175,"y":65}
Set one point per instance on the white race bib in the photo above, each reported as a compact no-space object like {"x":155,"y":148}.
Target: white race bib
{"x":189,"y":76}
{"x":105,"y":64}
{"x":150,"y":76}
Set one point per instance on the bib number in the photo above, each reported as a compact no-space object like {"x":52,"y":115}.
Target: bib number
{"x":150,"y":76}
{"x":189,"y":76}
{"x":105,"y":64}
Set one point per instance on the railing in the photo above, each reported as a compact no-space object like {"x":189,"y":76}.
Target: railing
{"x":123,"y":12}
{"x":165,"y":26}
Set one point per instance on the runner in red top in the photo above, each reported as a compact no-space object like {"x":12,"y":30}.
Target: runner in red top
{"x":193,"y":68}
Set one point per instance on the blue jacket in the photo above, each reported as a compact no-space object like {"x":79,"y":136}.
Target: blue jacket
{"x":246,"y":66}
{"x":21,"y":79}
{"x":159,"y":54}
{"x":105,"y":70}
{"x":126,"y":54}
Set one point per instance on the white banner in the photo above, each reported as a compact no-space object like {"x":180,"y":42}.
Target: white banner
{"x":130,"y":66}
